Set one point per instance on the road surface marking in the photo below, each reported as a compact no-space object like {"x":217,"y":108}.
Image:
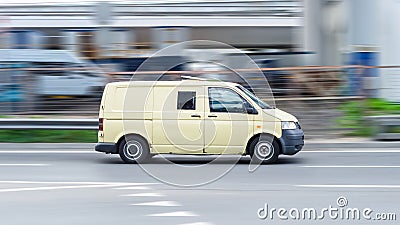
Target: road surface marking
{"x":352,"y":151}
{"x":45,"y":152}
{"x":133,"y":188}
{"x":73,"y":182}
{"x":25,"y":164}
{"x":56,"y":188}
{"x":144,"y":195}
{"x":174,"y":214}
{"x":199,"y":223}
{"x":339,"y":166}
{"x":348,"y":186}
{"x":159,"y":203}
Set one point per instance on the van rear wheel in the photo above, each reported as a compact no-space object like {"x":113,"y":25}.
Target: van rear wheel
{"x":264,"y":149}
{"x":134,"y":149}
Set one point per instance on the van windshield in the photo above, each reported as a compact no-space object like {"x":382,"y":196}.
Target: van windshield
{"x":253,"y":97}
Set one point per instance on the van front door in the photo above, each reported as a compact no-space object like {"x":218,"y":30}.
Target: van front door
{"x":227,"y":124}
{"x":178,"y":119}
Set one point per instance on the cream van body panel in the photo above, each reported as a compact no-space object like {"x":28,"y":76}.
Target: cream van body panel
{"x":227,"y":134}
{"x":128,"y":111}
{"x":118,"y":128}
{"x":280,"y":115}
{"x":178,"y":130}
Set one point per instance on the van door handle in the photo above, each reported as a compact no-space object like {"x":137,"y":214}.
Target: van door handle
{"x":197,"y":116}
{"x":212,"y":116}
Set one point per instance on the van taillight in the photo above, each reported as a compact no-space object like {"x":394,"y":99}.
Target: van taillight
{"x":101,"y":124}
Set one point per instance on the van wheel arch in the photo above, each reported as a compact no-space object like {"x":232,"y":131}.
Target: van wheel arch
{"x":275,"y":139}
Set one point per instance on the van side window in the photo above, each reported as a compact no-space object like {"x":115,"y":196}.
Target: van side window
{"x":187,"y":100}
{"x":225,"y":100}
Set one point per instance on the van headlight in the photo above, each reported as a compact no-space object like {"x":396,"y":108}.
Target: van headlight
{"x":289,"y":126}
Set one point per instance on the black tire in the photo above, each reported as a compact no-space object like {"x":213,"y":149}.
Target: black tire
{"x":263,"y":151}
{"x":134,"y":149}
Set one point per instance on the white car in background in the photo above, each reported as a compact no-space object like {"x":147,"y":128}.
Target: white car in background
{"x":77,"y":82}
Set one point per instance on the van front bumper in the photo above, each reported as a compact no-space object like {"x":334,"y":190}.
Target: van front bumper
{"x":292,"y":141}
{"x":109,"y":148}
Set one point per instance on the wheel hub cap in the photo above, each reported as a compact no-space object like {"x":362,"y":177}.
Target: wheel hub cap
{"x":133,"y":149}
{"x":264,"y":149}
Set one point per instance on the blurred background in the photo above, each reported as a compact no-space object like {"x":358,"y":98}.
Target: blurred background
{"x":332,"y":63}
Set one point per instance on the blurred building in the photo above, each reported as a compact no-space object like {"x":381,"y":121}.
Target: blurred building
{"x":138,"y":28}
{"x":298,"y":32}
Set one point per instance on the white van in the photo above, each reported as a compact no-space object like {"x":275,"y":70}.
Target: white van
{"x":75,"y":83}
{"x":143,"y":118}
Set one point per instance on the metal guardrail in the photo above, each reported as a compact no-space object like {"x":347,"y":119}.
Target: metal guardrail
{"x":49,"y":124}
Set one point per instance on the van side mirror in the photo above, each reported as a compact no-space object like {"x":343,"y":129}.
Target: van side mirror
{"x":249,"y":108}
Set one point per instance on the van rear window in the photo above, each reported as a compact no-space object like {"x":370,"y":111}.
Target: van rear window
{"x":187,"y":100}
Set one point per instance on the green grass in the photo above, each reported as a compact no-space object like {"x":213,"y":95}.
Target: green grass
{"x":48,"y":136}
{"x":354,"y":113}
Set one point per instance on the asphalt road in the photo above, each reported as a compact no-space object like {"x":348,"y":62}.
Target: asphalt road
{"x":57,"y":184}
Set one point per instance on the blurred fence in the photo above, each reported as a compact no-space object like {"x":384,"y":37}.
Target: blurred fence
{"x":313,"y":94}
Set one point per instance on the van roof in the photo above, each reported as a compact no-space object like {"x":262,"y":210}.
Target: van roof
{"x":171,"y":83}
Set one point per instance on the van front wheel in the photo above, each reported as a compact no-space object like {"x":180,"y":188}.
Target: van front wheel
{"x":134,"y":149}
{"x":264,"y":149}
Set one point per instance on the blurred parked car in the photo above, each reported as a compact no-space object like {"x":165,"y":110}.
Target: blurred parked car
{"x":52,"y":76}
